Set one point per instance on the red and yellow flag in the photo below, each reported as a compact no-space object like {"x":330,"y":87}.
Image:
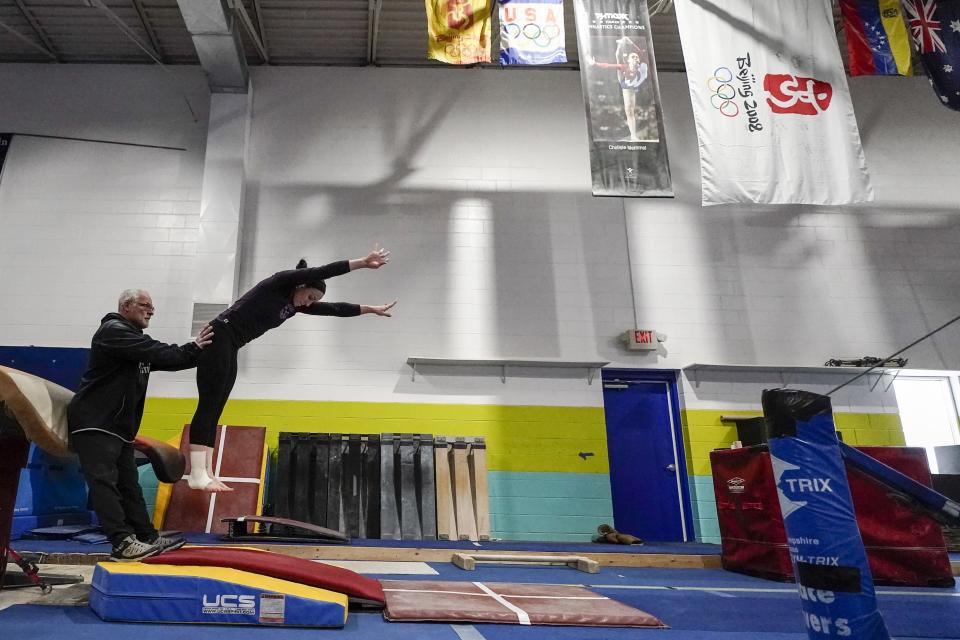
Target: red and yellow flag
{"x":458,"y":31}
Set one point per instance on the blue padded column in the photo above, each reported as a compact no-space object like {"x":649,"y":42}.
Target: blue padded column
{"x":829,"y":561}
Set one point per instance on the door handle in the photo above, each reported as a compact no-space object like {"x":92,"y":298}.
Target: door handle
{"x":671,"y":468}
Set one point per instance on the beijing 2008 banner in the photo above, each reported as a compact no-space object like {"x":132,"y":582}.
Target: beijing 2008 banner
{"x":771,"y":104}
{"x":628,"y":149}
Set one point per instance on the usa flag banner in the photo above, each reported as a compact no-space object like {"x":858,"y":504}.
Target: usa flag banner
{"x":935,"y":30}
{"x":628,"y":149}
{"x":771,"y":103}
{"x":458,"y":31}
{"x":531,"y":32}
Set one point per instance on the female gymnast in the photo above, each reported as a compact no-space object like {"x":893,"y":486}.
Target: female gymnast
{"x":264,"y":307}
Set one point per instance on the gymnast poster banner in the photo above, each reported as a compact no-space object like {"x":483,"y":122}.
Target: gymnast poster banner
{"x":531,"y":32}
{"x":628,"y":149}
{"x":771,"y":103}
{"x":458,"y":31}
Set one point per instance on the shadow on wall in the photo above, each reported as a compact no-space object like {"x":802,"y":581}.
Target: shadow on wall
{"x":483,"y":274}
{"x":813,"y":283}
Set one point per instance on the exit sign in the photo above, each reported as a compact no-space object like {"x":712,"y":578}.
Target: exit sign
{"x":642,"y":340}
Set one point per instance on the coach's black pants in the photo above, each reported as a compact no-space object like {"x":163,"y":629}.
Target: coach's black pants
{"x":110,"y":469}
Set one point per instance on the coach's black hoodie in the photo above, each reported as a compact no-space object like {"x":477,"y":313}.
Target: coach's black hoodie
{"x":114,"y":387}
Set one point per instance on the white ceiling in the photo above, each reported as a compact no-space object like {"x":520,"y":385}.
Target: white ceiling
{"x":295,"y":32}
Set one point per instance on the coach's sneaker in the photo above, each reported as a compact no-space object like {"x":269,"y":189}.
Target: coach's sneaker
{"x":167,"y":544}
{"x":131,"y":550}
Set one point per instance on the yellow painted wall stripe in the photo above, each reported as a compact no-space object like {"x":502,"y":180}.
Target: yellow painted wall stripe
{"x":704,"y":432}
{"x":519,"y":438}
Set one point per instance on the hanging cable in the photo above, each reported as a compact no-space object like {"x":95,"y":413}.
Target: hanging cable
{"x":892,"y":355}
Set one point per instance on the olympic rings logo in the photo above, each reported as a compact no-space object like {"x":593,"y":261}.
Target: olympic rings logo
{"x":723,"y":92}
{"x":465,"y":50}
{"x":540,"y":36}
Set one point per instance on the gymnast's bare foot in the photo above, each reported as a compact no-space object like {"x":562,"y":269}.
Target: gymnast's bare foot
{"x":207,"y":484}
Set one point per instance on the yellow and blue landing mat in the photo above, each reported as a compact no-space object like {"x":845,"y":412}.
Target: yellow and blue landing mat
{"x":137,"y":592}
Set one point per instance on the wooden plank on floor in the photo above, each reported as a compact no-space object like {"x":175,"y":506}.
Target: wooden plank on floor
{"x":446,"y":518}
{"x":478,"y":483}
{"x":462,"y":493}
{"x":426,"y":554}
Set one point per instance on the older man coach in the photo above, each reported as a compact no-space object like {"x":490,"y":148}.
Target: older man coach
{"x":104,"y":417}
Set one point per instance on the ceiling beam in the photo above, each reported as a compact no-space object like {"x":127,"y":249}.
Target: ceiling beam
{"x":373,"y":30}
{"x":258,"y":20}
{"x":29,"y":41}
{"x":251,"y":30}
{"x":37,"y":30}
{"x":126,"y":29}
{"x":148,"y":29}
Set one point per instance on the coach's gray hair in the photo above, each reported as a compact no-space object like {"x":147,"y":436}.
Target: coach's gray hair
{"x":128,"y":295}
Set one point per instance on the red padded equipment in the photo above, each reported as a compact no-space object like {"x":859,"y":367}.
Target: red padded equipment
{"x":359,"y":589}
{"x":904,"y":546}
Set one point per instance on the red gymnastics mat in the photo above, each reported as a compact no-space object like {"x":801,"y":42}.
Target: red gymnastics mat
{"x":239,"y":458}
{"x":506,"y":603}
{"x":360,"y":589}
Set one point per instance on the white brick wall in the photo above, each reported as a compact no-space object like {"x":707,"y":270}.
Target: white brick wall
{"x":81,"y":221}
{"x":478,"y":180}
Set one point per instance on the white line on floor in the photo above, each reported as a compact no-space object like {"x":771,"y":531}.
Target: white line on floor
{"x":467,"y":632}
{"x":931,"y":594}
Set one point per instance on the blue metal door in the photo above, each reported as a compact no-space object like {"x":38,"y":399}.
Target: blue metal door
{"x":648,"y":476}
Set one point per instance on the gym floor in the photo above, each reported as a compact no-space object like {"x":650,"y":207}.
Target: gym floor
{"x":695,"y":603}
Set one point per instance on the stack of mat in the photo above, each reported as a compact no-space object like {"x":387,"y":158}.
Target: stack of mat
{"x":362,"y":485}
{"x":331,"y":480}
{"x":463,"y":503}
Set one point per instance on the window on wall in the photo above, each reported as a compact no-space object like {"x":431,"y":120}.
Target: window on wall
{"x":928,"y":413}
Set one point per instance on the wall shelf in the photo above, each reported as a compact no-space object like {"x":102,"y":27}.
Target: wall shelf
{"x":691,"y":370}
{"x":785,"y":368}
{"x":503,"y":363}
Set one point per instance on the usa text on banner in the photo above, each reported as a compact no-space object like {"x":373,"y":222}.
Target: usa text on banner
{"x":877,"y":40}
{"x":628,"y":150}
{"x":772,"y":109}
{"x":458,"y":31}
{"x":5,"y":139}
{"x":935,"y":29}
{"x":531,"y":32}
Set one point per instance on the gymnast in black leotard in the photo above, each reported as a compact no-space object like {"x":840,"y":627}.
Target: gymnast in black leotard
{"x":264,"y":307}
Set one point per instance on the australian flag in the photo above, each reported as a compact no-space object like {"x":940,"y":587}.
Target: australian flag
{"x":935,"y":31}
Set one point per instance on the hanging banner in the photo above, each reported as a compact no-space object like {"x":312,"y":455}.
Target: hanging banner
{"x":772,"y":109}
{"x":628,"y":149}
{"x":458,"y":31}
{"x":531,"y":32}
{"x":935,"y":29}
{"x":877,"y":40}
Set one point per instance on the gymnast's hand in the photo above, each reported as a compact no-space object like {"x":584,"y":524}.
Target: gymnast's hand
{"x":205,"y":336}
{"x":379,"y":309}
{"x":376,"y":258}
